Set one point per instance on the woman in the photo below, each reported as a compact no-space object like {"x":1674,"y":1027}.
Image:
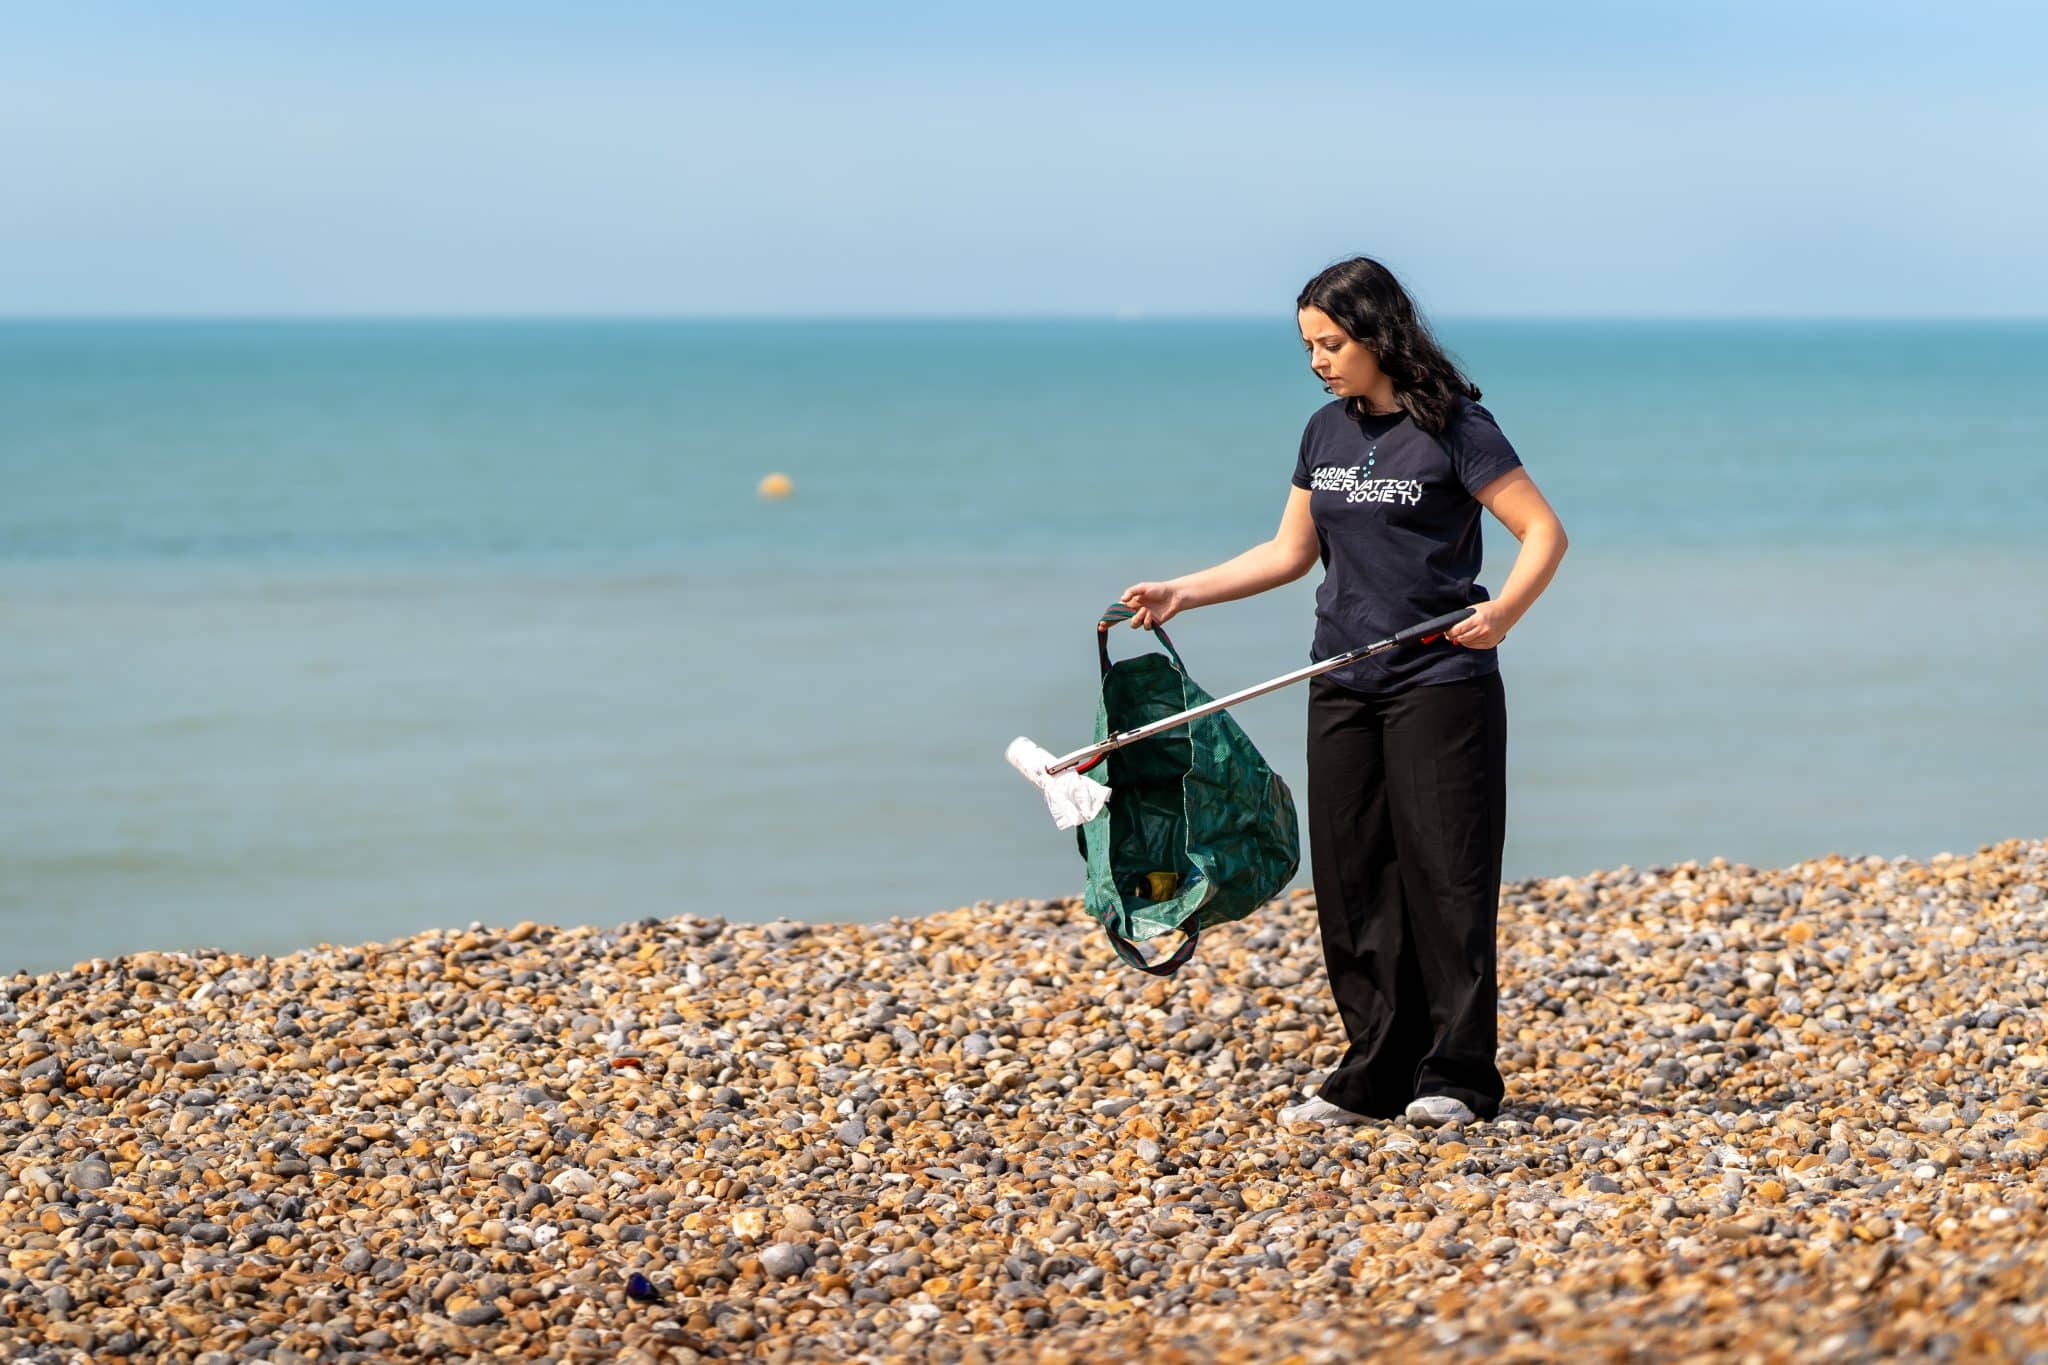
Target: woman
{"x":1407,"y":750}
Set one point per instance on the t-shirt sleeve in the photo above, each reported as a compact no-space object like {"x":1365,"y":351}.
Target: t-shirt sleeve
{"x":1479,"y":451}
{"x":1301,"y":469}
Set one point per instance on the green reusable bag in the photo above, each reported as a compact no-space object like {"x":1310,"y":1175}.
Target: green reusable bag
{"x":1197,"y":802}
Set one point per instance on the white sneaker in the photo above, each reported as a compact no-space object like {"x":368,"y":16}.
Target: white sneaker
{"x":1316,"y":1109}
{"x":1432,"y":1110}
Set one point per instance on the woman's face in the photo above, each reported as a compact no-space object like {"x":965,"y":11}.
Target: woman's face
{"x":1346,"y":367}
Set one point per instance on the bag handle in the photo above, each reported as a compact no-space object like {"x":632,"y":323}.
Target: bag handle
{"x":1115,"y":613}
{"x":1167,"y":966}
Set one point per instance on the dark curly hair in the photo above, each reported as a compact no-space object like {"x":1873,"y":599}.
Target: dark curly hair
{"x":1363,"y":297}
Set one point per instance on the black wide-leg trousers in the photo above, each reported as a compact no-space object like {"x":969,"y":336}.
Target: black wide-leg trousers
{"x":1407,"y":814}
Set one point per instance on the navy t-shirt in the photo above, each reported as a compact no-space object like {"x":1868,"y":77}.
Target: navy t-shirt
{"x":1398,"y":527}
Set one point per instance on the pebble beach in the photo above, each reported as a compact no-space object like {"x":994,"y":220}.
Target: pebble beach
{"x":1752,"y":1114}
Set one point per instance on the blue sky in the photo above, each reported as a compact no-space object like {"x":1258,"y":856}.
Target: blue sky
{"x":1601,"y":159}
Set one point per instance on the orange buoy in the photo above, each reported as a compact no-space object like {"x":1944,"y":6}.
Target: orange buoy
{"x":777,"y":486}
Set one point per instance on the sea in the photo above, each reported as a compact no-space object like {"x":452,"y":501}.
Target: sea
{"x":326,"y":632}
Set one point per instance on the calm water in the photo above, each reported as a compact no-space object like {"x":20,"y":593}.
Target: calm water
{"x":335,"y":632}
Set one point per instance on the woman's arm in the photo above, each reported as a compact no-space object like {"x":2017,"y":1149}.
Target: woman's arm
{"x":1292,"y":552}
{"x":1520,"y":506}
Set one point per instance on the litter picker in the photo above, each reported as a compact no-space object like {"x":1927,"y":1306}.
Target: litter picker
{"x":1073,"y":800}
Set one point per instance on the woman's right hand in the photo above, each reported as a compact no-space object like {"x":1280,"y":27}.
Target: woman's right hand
{"x":1154,"y":603}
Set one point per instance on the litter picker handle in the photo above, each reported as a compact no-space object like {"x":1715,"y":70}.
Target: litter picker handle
{"x":1430,"y":629}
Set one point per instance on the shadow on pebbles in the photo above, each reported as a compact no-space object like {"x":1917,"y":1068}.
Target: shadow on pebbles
{"x":1764,"y":1115}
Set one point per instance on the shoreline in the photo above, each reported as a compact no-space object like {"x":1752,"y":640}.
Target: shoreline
{"x":1750,"y":1112}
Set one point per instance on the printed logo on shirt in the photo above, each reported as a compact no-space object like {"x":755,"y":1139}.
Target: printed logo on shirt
{"x":1337,"y":479}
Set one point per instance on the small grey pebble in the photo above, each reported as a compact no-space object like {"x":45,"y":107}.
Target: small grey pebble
{"x":782,"y":1260}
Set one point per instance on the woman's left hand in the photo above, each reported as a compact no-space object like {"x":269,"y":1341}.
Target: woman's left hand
{"x":1486,"y":627}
